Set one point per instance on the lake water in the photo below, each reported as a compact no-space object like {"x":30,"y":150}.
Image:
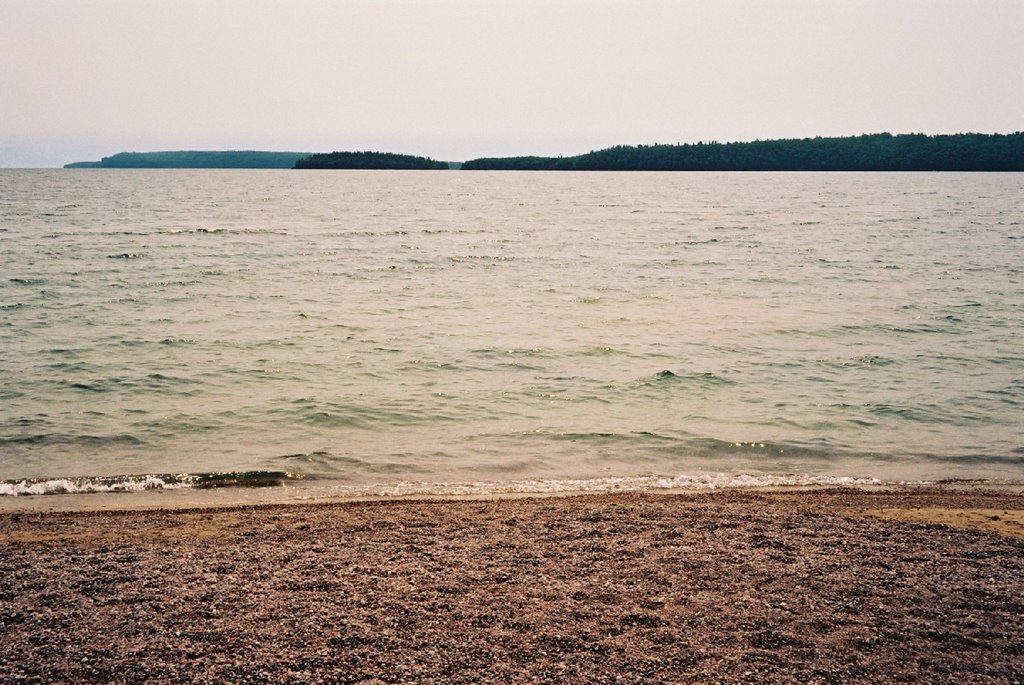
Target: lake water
{"x":438,"y":332}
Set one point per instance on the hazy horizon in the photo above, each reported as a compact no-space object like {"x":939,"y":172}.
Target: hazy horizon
{"x":456,"y":80}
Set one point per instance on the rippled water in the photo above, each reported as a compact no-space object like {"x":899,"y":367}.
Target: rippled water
{"x":374,"y":328}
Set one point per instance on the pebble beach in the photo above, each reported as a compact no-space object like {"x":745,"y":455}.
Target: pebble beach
{"x":828,"y":586}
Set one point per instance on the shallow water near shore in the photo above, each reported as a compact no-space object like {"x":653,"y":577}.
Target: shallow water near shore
{"x":432,"y":332}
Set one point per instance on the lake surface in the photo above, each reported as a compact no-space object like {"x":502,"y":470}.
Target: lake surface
{"x":432,"y":332}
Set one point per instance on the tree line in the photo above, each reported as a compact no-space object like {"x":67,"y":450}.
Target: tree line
{"x":367,"y":160}
{"x":872,"y":152}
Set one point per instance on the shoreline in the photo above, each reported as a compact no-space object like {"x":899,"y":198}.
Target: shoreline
{"x":312,"y":493}
{"x":825,"y":585}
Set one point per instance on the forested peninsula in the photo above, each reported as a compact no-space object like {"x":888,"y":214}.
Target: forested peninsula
{"x":195,"y":159}
{"x":367,"y":160}
{"x":874,"y":152}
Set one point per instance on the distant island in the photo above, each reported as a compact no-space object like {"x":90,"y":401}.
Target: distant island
{"x":874,"y":152}
{"x":195,"y":159}
{"x":367,"y":160}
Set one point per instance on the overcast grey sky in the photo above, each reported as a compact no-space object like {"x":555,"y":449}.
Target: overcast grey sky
{"x":456,"y":79}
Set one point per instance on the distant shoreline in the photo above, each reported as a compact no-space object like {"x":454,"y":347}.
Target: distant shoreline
{"x":195,"y":159}
{"x":874,"y":152}
{"x":870,"y":152}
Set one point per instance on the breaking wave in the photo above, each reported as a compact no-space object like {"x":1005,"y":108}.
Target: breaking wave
{"x":139,"y":483}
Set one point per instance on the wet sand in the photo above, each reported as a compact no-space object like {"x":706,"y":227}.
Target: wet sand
{"x":831,"y":586}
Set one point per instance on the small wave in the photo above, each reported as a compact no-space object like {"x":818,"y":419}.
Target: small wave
{"x":90,"y":387}
{"x":704,"y":481}
{"x":168,"y":284}
{"x":157,"y":381}
{"x":227,"y":231}
{"x":602,"y":351}
{"x":126,"y":255}
{"x":379,"y":417}
{"x":593,"y":436}
{"x":140,"y":483}
{"x":440,"y":231}
{"x":696,"y":379}
{"x":861,"y":361}
{"x":917,"y":414}
{"x":1015,"y":458}
{"x":493,"y":352}
{"x":65,"y":439}
{"x":480,"y":259}
{"x":696,"y":242}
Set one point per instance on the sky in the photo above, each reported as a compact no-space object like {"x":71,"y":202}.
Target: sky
{"x":458,"y":79}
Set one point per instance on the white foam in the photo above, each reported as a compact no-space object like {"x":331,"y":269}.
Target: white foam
{"x":319,"y":489}
{"x":708,"y":481}
{"x":66,"y":486}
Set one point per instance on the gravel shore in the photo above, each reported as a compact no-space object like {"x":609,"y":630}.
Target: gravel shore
{"x":834,"y":586}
